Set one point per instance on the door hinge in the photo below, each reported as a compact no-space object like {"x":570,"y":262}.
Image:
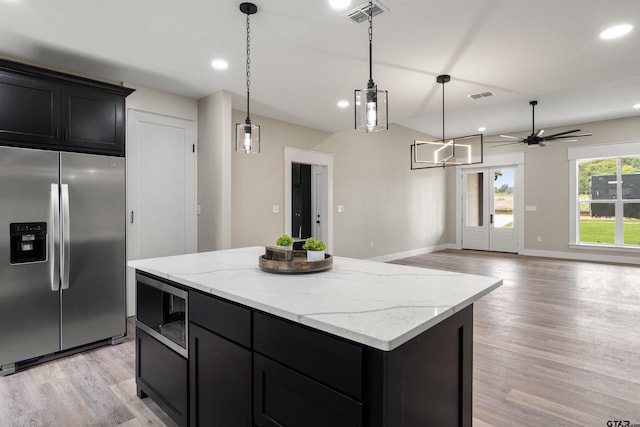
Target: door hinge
{"x":131,"y":217}
{"x":193,"y":148}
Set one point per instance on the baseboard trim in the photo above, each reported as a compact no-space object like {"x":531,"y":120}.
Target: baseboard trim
{"x":619,"y":259}
{"x":582,"y":256}
{"x":405,"y":254}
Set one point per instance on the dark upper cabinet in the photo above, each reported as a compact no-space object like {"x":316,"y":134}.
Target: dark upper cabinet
{"x":92,"y":119}
{"x":29,"y":109}
{"x":41,"y":108}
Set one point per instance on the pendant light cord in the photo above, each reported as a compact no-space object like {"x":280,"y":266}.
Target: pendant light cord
{"x":370,"y":44}
{"x":248,"y":65}
{"x":443,"y":83}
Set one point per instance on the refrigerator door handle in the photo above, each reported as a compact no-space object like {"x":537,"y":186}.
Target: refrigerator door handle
{"x":54,"y":238}
{"x":66,"y":253}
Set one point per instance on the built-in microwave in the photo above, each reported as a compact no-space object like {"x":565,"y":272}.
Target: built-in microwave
{"x":162,"y":312}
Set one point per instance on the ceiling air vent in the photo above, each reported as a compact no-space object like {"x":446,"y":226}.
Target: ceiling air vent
{"x":481,"y":95}
{"x":361,"y":13}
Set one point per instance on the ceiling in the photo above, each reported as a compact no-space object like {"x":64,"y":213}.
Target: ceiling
{"x":305,"y":56}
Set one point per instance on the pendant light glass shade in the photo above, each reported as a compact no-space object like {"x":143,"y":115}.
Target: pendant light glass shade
{"x":247,"y":138}
{"x":248,"y":134}
{"x":371,"y":109}
{"x":371,"y":104}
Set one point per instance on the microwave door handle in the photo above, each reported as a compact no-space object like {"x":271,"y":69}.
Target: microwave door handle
{"x":66,"y":253}
{"x":54,"y":238}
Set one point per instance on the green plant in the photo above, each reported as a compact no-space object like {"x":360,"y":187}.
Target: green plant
{"x":312,"y":244}
{"x":284,"y":240}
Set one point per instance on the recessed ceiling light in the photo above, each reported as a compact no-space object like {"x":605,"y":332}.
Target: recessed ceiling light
{"x":637,"y":106}
{"x":343,"y":104}
{"x":482,"y":128}
{"x":615,"y":32}
{"x":339,"y":4}
{"x":219,"y":64}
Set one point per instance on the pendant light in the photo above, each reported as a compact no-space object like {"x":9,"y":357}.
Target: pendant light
{"x":248,"y":134}
{"x":371,"y":104}
{"x":457,"y":151}
{"x":448,"y":149}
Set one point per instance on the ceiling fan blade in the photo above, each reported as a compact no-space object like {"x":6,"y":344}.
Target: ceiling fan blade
{"x":501,"y":145}
{"x":511,"y":137}
{"x":540,"y":132}
{"x":548,"y":137}
{"x":573,"y":136}
{"x":542,"y":144}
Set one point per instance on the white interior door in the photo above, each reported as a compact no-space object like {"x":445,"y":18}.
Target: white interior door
{"x":488,"y":214}
{"x":161,"y":189}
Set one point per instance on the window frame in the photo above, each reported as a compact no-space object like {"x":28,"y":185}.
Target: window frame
{"x":599,"y":152}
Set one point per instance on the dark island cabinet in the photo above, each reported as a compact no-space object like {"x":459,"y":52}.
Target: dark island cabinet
{"x":220,"y":380}
{"x":45,"y":109}
{"x":249,"y":368}
{"x":220,"y":362}
{"x":161,"y":374}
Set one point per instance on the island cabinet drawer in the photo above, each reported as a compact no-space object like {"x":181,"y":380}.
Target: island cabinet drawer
{"x":284,"y":397}
{"x":226,"y":319}
{"x":331,"y":361}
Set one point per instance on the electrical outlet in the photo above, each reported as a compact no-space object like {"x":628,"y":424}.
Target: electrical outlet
{"x":370,"y":244}
{"x":539,"y":238}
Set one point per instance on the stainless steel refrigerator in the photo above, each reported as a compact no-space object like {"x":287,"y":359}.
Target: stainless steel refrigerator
{"x":62,"y":253}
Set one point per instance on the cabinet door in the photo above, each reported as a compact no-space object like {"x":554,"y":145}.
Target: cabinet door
{"x":93,"y":120}
{"x":283,"y":397}
{"x":161,"y":374}
{"x":29,"y":110}
{"x":220,"y":380}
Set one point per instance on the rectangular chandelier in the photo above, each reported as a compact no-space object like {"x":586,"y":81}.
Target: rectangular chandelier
{"x":464,"y":150}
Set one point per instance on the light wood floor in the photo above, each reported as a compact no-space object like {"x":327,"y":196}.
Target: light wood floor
{"x":557,"y":345}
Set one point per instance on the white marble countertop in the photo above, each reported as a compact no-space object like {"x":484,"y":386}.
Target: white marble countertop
{"x":377,"y":304}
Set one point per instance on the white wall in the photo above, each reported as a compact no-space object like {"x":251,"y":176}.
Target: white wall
{"x":214,"y":171}
{"x":158,"y":102}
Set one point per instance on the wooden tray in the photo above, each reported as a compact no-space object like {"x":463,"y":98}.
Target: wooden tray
{"x":299,"y":265}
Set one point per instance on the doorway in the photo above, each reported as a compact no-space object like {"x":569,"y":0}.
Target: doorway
{"x":161,"y":187}
{"x":308,"y":189}
{"x":489,"y":213}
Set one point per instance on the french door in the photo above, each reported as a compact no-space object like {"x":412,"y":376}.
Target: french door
{"x":488,"y":209}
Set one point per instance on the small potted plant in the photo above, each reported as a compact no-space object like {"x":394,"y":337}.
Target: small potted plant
{"x":315,"y":249}
{"x":285,"y":241}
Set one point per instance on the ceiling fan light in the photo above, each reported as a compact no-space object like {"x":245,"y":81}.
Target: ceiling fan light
{"x":616,"y":31}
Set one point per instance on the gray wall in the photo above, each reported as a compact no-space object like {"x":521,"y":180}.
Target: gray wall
{"x":389,"y":210}
{"x":547,"y":187}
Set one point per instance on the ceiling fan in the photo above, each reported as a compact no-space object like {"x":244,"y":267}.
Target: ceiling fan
{"x":536,"y":138}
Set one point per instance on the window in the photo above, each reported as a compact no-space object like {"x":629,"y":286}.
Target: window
{"x":606,"y":196}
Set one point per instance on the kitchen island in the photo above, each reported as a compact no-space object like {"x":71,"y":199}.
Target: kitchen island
{"x":363,"y":344}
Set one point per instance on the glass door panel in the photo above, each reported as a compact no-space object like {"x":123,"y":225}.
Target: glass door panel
{"x":474,"y":199}
{"x":503,"y":198}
